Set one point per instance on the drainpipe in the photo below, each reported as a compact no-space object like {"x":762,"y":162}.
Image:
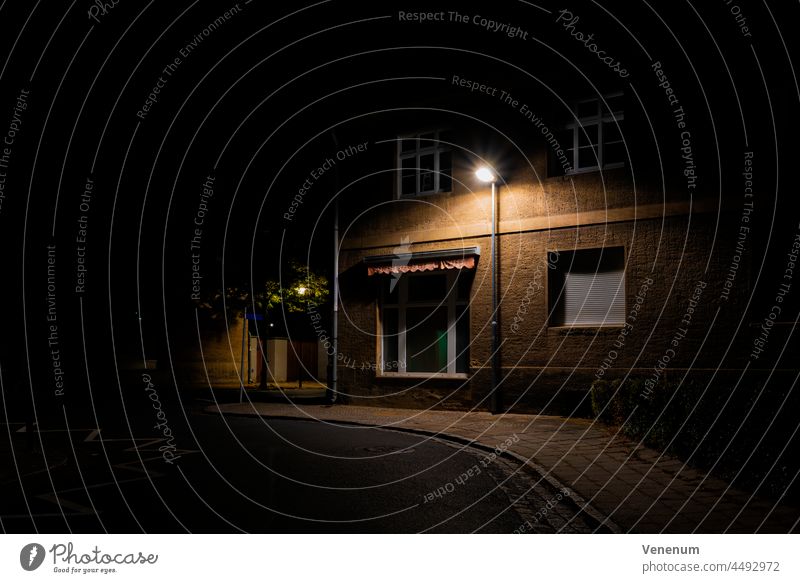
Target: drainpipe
{"x":241,"y":365}
{"x":496,"y":402}
{"x":334,"y":380}
{"x":335,"y":332}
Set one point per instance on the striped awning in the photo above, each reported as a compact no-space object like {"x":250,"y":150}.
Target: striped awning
{"x":398,"y":263}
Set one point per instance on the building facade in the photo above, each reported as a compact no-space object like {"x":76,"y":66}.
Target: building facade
{"x":599,"y":274}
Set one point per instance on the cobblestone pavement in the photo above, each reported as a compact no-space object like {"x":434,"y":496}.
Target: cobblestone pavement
{"x":542,"y":508}
{"x":616,"y":484}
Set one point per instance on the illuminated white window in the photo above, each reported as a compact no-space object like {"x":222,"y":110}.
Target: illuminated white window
{"x":424,"y":323}
{"x":593,"y":138}
{"x":424,"y":164}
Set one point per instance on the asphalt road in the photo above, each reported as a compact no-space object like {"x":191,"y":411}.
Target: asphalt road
{"x":254,"y":475}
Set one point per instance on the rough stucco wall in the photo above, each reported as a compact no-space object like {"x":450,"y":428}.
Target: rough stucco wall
{"x":541,"y":362}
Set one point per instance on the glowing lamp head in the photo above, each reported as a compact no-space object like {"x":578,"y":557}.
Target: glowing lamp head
{"x":301,"y":290}
{"x":484,"y":174}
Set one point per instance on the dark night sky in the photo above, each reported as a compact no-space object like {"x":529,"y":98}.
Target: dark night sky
{"x":253,"y":104}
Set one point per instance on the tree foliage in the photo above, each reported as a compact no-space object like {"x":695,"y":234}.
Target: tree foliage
{"x":297,"y":288}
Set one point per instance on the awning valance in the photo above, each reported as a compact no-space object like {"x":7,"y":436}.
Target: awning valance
{"x":463,"y":258}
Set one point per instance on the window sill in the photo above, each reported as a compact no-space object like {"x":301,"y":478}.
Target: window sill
{"x":422,"y":375}
{"x":585,"y":327}
{"x":424,"y":194}
{"x":581,"y":171}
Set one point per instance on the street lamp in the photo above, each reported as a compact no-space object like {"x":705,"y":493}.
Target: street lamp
{"x":301,"y":290}
{"x":484,"y":174}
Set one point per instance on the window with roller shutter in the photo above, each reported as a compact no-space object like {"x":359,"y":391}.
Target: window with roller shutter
{"x":587,"y":288}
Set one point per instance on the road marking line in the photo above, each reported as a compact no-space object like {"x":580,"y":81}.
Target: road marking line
{"x":93,"y":435}
{"x":40,"y":515}
{"x":101,"y":485}
{"x":24,"y":429}
{"x":131,"y":466}
{"x":55,"y":499}
{"x":136,"y":447}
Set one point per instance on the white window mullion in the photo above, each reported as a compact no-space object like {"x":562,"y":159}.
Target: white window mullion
{"x":436,"y":166}
{"x":417,"y":172}
{"x":576,"y":141}
{"x":451,"y":323}
{"x":436,"y":170}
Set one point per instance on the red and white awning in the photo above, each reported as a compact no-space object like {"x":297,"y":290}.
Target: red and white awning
{"x":463,"y":258}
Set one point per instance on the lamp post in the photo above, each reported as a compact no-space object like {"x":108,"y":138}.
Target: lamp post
{"x":241,"y":366}
{"x":302,"y":291}
{"x":484,"y":174}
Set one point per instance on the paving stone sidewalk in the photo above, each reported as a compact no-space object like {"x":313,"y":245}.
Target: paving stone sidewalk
{"x":625,"y":486}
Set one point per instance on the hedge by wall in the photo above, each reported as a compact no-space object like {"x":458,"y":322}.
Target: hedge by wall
{"x":745,"y":429}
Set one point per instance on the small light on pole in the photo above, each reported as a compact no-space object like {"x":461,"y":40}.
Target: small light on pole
{"x":302,"y":291}
{"x":484,"y":174}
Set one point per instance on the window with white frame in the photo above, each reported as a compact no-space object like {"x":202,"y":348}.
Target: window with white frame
{"x":587,"y":287}
{"x":424,"y":323}
{"x":425,"y":164}
{"x":593,"y":138}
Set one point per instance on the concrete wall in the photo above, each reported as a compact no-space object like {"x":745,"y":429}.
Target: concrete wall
{"x":217,"y":359}
{"x":277,"y":352}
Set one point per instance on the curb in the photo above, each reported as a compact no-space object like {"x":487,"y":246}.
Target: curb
{"x":581,"y":505}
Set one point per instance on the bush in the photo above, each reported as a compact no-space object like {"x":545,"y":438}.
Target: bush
{"x":718,"y":424}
